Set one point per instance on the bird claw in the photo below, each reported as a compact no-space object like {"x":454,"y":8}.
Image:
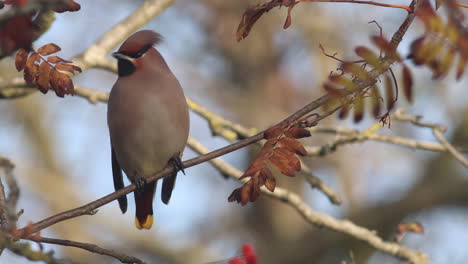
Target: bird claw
{"x":140,"y":184}
{"x":176,"y":162}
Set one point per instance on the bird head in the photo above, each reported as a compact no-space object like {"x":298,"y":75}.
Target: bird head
{"x":131,"y":54}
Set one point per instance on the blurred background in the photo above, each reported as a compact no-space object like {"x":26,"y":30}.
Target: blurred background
{"x":62,"y":154}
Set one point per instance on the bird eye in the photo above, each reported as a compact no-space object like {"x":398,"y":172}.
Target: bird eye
{"x":125,"y":67}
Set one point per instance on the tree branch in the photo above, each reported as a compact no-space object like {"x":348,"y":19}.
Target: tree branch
{"x":318,"y":219}
{"x":89,"y":247}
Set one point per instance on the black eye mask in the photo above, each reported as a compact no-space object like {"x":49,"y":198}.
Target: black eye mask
{"x":125,"y":67}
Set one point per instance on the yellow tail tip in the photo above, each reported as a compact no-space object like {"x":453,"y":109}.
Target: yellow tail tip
{"x":147,"y":224}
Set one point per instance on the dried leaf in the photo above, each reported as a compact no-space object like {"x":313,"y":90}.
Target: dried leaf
{"x":390,"y":96}
{"x":48,"y":49}
{"x":369,"y":56}
{"x":69,"y":5}
{"x":57,"y":59}
{"x":17,"y":32}
{"x":446,"y":62}
{"x":407,"y":83}
{"x":358,"y":108}
{"x":273,"y":132}
{"x":43,"y":78}
{"x":344,"y":111}
{"x":32,"y":67}
{"x":334,"y":91}
{"x":297,"y":132}
{"x":384,"y":45}
{"x":61,"y":83}
{"x":20,"y":60}
{"x":403,"y":228}
{"x":293,"y":146}
{"x":375,"y":101}
{"x":342,"y":81}
{"x":285,"y":161}
{"x":270,"y":181}
{"x":65,"y":67}
{"x":355,"y":70}
{"x":287,"y":23}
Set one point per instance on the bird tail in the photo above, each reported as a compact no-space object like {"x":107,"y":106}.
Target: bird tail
{"x":144,"y":206}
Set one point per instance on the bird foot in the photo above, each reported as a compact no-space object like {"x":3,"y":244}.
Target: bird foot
{"x":176,"y":162}
{"x":140,"y":183}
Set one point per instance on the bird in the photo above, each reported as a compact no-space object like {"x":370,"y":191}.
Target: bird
{"x":148,"y":122}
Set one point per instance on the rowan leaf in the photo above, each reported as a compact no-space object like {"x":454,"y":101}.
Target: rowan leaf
{"x":57,"y":59}
{"x":405,"y":227}
{"x":389,"y":94}
{"x":48,"y":49}
{"x":355,"y":70}
{"x":297,"y":132}
{"x":375,"y":101}
{"x":32,"y":68}
{"x":69,"y":5}
{"x":358,"y":108}
{"x":270,"y":181}
{"x":273,"y":132}
{"x":344,"y":111}
{"x":21,"y":58}
{"x":369,"y":56}
{"x":293,"y":146}
{"x":407,"y":83}
{"x":343,"y":81}
{"x":65,"y":67}
{"x":285,"y":161}
{"x":42,"y":82}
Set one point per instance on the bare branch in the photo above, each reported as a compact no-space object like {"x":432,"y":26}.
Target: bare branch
{"x":89,"y":247}
{"x":318,"y":219}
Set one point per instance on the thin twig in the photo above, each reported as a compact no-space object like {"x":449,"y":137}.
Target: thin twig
{"x":318,"y":219}
{"x":450,"y":148}
{"x":89,"y":247}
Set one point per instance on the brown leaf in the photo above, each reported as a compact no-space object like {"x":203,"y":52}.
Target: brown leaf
{"x":390,"y":96}
{"x":285,"y":161}
{"x":42,"y":82}
{"x":57,"y":59}
{"x":287,"y":23}
{"x":343,"y":81}
{"x":355,"y":70}
{"x":344,"y":111}
{"x":403,"y":228}
{"x":407,"y":83}
{"x":358,"y":108}
{"x":369,"y":56}
{"x":65,"y":67}
{"x":384,"y":45}
{"x":274,"y":132}
{"x":293,"y":146}
{"x":297,"y":132}
{"x":20,"y":60}
{"x":48,"y":49}
{"x":17,"y":32}
{"x":334,"y":91}
{"x":69,"y":5}
{"x":32,"y":68}
{"x":61,"y":83}
{"x":375,"y":101}
{"x":270,"y":181}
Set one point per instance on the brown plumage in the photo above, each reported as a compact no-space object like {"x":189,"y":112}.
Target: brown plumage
{"x":148,"y":121}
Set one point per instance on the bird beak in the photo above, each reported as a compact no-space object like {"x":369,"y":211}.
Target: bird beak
{"x":119,"y":55}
